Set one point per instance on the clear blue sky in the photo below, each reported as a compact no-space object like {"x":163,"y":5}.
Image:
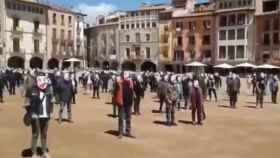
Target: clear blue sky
{"x":120,"y":4}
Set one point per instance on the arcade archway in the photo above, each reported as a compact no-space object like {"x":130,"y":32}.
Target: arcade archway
{"x":53,"y":63}
{"x":106,"y":65}
{"x":128,"y":65}
{"x":16,"y":62}
{"x":148,"y":66}
{"x":36,"y":62}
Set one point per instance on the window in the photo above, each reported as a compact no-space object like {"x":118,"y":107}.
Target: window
{"x":1,"y":51}
{"x":36,"y":46}
{"x":222,"y":52}
{"x":54,"y":19}
{"x":267,"y":25}
{"x":165,"y":38}
{"x":54,"y":48}
{"x":122,"y":26}
{"x":70,"y":20}
{"x":36,"y":26}
{"x":62,"y":19}
{"x":241,"y":19}
{"x":132,"y":26}
{"x":241,"y":34}
{"x":191,"y":40}
{"x":148,"y":53}
{"x":231,"y":34}
{"x":232,"y":20}
{"x":127,"y":26}
{"x":69,"y":34}
{"x":221,"y":5}
{"x":222,"y":35}
{"x":154,"y":24}
{"x":137,"y":25}
{"x":54,"y":33}
{"x":179,"y":26}
{"x":16,"y":45}
{"x":240,"y":52}
{"x":127,"y":38}
{"x":231,"y":52}
{"x":143,"y":25}
{"x":138,"y":51}
{"x":276,"y":38}
{"x":206,"y":40}
{"x":62,"y":34}
{"x":148,"y":24}
{"x":166,"y":28}
{"x":15,"y":23}
{"x":266,"y":39}
{"x":207,"y":54}
{"x":207,"y":24}
{"x":276,"y":24}
{"x":223,"y":21}
{"x":192,"y":25}
{"x":148,"y":37}
{"x":138,"y":37}
{"x":179,"y":41}
{"x":271,"y":5}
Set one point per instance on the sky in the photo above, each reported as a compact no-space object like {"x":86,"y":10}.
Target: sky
{"x":93,"y":8}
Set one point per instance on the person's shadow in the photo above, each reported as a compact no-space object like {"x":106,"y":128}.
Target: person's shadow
{"x":26,"y":153}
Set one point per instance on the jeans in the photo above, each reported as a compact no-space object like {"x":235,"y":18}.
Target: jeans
{"x":39,"y":127}
{"x":170,"y":113}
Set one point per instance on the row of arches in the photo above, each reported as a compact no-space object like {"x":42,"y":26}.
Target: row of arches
{"x":37,"y":62}
{"x":127,"y":65}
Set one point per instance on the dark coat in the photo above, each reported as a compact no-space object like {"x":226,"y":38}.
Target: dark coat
{"x":66,"y":91}
{"x":127,"y":93}
{"x":138,"y":88}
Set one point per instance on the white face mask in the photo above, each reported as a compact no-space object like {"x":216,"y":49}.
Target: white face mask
{"x":42,"y":82}
{"x":67,"y":77}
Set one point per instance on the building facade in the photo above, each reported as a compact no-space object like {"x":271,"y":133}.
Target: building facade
{"x":139,"y":38}
{"x":25,"y":34}
{"x":235,"y":31}
{"x":103,"y":42}
{"x":194,"y":37}
{"x":267,"y":32}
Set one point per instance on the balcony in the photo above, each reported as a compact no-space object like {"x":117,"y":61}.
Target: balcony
{"x":37,"y":33}
{"x":17,"y":31}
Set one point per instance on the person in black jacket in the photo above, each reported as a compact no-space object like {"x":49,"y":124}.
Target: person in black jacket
{"x":12,"y":83}
{"x":65,"y":95}
{"x":39,"y":110}
{"x":138,"y":88}
{"x":2,"y":78}
{"x":186,"y":91}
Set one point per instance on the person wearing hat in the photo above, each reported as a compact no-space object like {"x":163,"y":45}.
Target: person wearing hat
{"x":39,"y":112}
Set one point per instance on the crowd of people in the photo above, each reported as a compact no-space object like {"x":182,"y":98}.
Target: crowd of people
{"x":42,"y":90}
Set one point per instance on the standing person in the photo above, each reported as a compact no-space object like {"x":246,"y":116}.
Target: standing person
{"x":211,"y":88}
{"x":185,"y":86}
{"x":233,"y":86}
{"x":138,"y":89}
{"x":66,"y":93}
{"x":162,"y":86}
{"x":179,"y":89}
{"x":274,"y":87}
{"x":123,"y":97}
{"x":112,"y":85}
{"x":171,"y":100}
{"x":12,"y":83}
{"x":38,"y":110}
{"x":96,"y":82}
{"x":260,"y":88}
{"x":75,"y":87}
{"x":249,"y":84}
{"x":218,"y":81}
{"x":197,"y":103}
{"x":2,"y":78}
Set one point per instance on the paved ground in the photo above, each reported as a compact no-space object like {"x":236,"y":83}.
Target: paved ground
{"x":245,"y":132}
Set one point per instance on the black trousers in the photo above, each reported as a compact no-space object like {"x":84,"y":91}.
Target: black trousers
{"x":95,"y":92}
{"x":274,"y":97}
{"x":12,"y":89}
{"x":210,"y":91}
{"x":259,"y":99}
{"x":233,"y":99}
{"x":161,"y":100}
{"x":197,"y":113}
{"x":137,"y":101}
{"x":39,"y":127}
{"x":124,"y":119}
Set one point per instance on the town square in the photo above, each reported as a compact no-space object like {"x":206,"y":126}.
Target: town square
{"x":138,"y":79}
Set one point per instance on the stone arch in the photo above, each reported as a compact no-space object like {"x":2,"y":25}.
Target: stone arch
{"x":128,"y":65}
{"x":16,"y":62}
{"x":35,"y":63}
{"x":148,"y":66}
{"x":53,"y":63}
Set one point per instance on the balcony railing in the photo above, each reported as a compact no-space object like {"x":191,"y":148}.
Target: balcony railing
{"x":17,"y":30}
